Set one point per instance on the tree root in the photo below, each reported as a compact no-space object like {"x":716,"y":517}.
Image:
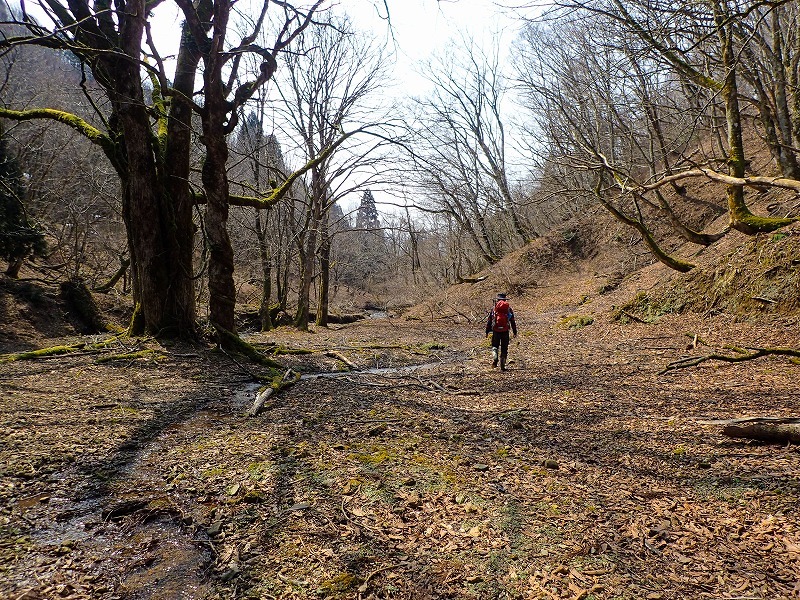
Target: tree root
{"x":230,"y":341}
{"x":741,"y":355}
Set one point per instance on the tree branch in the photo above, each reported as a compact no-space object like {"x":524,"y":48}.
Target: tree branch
{"x":741,"y":356}
{"x":93,"y":134}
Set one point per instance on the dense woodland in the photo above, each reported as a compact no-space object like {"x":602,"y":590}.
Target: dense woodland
{"x":245,"y":169}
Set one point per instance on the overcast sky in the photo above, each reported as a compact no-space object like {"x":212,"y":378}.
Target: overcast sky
{"x":420,"y":28}
{"x":415,"y":30}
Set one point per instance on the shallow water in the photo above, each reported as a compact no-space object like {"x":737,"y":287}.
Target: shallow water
{"x":372,"y":371}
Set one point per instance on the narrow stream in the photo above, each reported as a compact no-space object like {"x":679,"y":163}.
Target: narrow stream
{"x":128,"y":533}
{"x":372,"y":371}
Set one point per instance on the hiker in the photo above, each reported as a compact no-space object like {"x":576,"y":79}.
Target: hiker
{"x":501,"y":319}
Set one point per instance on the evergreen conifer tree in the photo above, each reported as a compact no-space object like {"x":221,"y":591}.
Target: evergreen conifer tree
{"x":367,"y":216}
{"x":19,"y":237}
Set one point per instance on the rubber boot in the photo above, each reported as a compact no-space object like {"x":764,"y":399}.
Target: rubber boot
{"x":503,"y":364}
{"x":494,"y":357}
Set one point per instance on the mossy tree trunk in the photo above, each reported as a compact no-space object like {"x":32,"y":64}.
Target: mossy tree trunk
{"x":737,"y":208}
{"x":158,"y":223}
{"x":741,"y":218}
{"x":153,"y":163}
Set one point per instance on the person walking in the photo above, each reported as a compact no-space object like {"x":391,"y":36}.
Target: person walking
{"x":499,"y":324}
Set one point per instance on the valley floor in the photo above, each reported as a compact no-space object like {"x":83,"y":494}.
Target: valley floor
{"x":579,"y":473}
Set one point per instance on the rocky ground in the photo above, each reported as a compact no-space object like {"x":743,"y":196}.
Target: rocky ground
{"x":583,"y":472}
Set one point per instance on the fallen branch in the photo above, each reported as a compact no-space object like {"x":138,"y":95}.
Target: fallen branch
{"x":265,"y":393}
{"x":630,"y":316}
{"x":53,"y":351}
{"x":42,"y":353}
{"x":467,"y":318}
{"x":472,"y":279}
{"x":364,"y":586}
{"x":146,"y":353}
{"x":123,"y":267}
{"x":350,"y":364}
{"x":403,"y":382}
{"x":282,"y":350}
{"x":740,"y":356}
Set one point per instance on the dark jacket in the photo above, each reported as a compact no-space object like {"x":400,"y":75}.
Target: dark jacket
{"x":511,"y":321}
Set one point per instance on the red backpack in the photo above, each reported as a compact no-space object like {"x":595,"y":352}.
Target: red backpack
{"x":501,"y":309}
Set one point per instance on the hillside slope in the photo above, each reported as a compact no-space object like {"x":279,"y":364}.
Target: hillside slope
{"x":595,"y":265}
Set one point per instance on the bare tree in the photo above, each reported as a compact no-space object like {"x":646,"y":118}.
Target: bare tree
{"x":699,"y":43}
{"x":327,"y":88}
{"x":461,"y":150}
{"x":68,"y":189}
{"x":634,"y":113}
{"x":259,"y":164}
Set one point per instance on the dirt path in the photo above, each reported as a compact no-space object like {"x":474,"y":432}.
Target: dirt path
{"x":580,"y":473}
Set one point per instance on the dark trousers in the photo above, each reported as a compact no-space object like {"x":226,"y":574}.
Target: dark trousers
{"x":500,"y":340}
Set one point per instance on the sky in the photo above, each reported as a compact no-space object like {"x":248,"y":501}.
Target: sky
{"x":421,"y":28}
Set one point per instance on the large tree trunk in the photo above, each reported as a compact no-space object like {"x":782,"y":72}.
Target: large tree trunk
{"x":160,"y":285}
{"x":221,"y":288}
{"x":177,"y":168}
{"x":156,"y":230}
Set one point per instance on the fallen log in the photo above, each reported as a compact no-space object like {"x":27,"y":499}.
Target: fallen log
{"x":765,"y":429}
{"x":261,"y":398}
{"x":472,"y":279}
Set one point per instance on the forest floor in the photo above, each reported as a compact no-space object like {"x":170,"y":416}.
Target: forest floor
{"x":582,"y":472}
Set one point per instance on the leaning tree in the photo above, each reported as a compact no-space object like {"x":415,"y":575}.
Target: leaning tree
{"x":633,"y":97}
